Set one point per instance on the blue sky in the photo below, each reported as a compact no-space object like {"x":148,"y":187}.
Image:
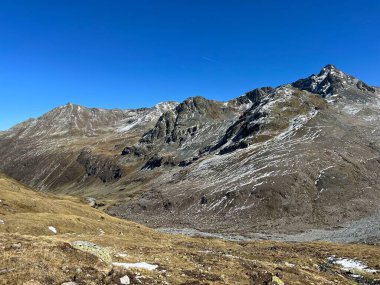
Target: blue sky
{"x":128,"y":54}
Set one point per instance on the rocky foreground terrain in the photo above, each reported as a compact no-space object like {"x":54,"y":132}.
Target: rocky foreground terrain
{"x":299,"y":157}
{"x":48,"y":239}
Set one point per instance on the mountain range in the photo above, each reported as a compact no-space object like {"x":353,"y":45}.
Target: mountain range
{"x":298,"y":157}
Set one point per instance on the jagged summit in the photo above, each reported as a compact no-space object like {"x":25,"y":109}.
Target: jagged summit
{"x":329,"y":81}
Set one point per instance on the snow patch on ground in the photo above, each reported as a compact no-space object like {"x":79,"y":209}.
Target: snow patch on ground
{"x":322,"y":172}
{"x":52,"y":229}
{"x":351,"y":110}
{"x":127,"y":127}
{"x":332,"y":98}
{"x":351,"y":264}
{"x":297,"y":123}
{"x":137,"y":118}
{"x":139,"y":265}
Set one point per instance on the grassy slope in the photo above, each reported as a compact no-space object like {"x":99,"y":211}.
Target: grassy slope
{"x":29,"y":251}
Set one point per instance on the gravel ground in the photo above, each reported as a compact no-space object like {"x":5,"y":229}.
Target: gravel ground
{"x":365,"y":230}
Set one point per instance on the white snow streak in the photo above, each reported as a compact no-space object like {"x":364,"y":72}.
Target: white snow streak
{"x":139,"y":265}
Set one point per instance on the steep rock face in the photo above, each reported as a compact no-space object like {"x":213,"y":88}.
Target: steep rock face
{"x":248,"y":123}
{"x":100,"y":167}
{"x":183,"y":133}
{"x":189,"y":117}
{"x":257,"y":95}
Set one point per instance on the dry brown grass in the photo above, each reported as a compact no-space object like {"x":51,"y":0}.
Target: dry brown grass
{"x":29,"y":251}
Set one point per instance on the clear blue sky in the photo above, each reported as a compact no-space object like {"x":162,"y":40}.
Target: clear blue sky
{"x":127,"y":54}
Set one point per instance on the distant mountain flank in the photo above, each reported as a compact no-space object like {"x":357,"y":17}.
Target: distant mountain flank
{"x":300,"y":156}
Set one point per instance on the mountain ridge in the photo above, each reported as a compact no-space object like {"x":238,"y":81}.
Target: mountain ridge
{"x":250,"y":164}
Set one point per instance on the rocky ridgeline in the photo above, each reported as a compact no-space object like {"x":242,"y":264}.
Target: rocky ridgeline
{"x":296,"y":157}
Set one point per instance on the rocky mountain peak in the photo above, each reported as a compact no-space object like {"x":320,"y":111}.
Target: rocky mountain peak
{"x":330,"y":81}
{"x":72,"y":120}
{"x":330,"y":67}
{"x":197,"y":103}
{"x":256,"y":95}
{"x":175,"y":125}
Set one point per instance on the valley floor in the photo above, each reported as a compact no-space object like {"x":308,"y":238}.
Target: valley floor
{"x":365,"y":230}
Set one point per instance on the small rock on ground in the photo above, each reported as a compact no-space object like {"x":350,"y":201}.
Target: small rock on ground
{"x":125,"y":280}
{"x":16,"y":246}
